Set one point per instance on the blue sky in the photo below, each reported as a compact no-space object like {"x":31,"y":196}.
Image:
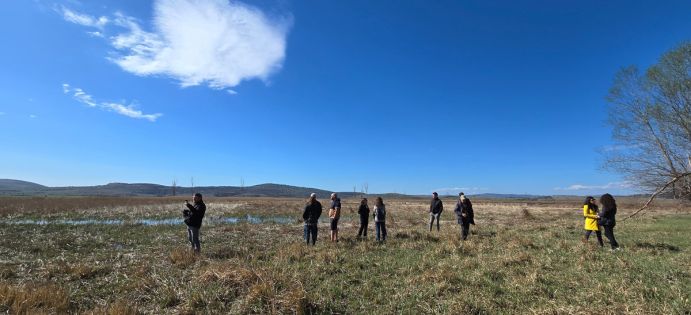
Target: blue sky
{"x":407,"y":96}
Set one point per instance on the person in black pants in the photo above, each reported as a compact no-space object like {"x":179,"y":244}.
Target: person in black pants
{"x":607,"y":218}
{"x":363,"y":211}
{"x":435,"y":209}
{"x":464,"y":213}
{"x":313,"y":210}
{"x":193,"y":218}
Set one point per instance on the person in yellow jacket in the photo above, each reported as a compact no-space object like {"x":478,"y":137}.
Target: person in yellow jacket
{"x":590,"y":212}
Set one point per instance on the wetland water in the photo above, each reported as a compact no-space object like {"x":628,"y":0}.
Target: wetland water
{"x":159,"y":221}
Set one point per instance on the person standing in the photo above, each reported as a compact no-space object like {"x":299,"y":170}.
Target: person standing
{"x":334,"y":214}
{"x":193,"y":218}
{"x":313,"y":210}
{"x":380,"y":219}
{"x":435,"y":209}
{"x":590,"y":213}
{"x":363,"y":211}
{"x":464,"y":214}
{"x":607,"y":219}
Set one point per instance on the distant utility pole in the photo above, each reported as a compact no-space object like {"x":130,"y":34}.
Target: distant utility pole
{"x":175,"y":184}
{"x":192,"y":182}
{"x":242,"y":183}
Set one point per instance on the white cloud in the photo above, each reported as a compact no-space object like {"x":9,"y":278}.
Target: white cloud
{"x":32,"y":116}
{"x":218,"y":43}
{"x":231,"y":92}
{"x":125,"y":110}
{"x":612,"y":185}
{"x":130,"y":111}
{"x":84,"y":19}
{"x":96,"y":34}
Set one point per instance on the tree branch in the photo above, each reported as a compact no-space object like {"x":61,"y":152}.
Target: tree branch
{"x":659,"y":191}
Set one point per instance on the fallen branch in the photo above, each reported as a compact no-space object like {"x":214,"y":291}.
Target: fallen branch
{"x":659,"y":191}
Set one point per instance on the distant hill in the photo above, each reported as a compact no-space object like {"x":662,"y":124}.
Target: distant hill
{"x":11,"y":187}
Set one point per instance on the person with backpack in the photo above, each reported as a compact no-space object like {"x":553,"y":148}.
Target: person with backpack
{"x":194,"y":214}
{"x":380,"y":219}
{"x":311,"y":214}
{"x":607,"y":219}
{"x":363,"y":211}
{"x":435,"y":209}
{"x":334,"y":215}
{"x":590,"y":213}
{"x":464,"y":214}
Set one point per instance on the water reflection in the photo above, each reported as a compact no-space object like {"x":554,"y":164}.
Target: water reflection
{"x":158,"y":221}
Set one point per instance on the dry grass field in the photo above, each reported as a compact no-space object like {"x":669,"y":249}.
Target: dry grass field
{"x":521,"y":257}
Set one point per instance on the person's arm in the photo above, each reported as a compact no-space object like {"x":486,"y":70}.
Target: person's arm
{"x":441,"y":206}
{"x":305,"y":213}
{"x":587,"y":215}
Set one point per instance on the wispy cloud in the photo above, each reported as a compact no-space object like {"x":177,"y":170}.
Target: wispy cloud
{"x":126,"y":110}
{"x":83,"y":19}
{"x":130,"y":111}
{"x":456,"y":190}
{"x":32,"y":116}
{"x":611,"y":185}
{"x":620,"y":147}
{"x":217,"y":43}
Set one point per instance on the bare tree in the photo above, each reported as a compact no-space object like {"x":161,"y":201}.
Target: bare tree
{"x":650,"y":116}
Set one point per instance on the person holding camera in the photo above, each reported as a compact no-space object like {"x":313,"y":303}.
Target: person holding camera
{"x":193,"y":218}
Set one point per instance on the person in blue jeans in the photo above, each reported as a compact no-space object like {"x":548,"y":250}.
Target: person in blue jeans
{"x":313,"y":210}
{"x":380,"y":219}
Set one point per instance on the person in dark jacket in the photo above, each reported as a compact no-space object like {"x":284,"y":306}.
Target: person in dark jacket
{"x":435,"y":209}
{"x":193,"y":218}
{"x":607,"y":218}
{"x":363,"y":211}
{"x":464,"y":214}
{"x":313,"y":210}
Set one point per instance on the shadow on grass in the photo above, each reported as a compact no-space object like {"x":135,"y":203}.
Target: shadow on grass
{"x":658,"y":246}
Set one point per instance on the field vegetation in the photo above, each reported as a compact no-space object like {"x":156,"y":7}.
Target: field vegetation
{"x":523,"y":256}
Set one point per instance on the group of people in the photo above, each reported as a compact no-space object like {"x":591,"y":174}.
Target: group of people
{"x":313,"y":209}
{"x":596,"y":219}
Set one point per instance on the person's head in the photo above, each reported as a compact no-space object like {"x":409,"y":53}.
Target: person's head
{"x":608,"y":202}
{"x":313,"y":197}
{"x":589,"y":201}
{"x":334,"y":196}
{"x":380,"y":201}
{"x":197,"y":197}
{"x":461,"y":196}
{"x":363,"y":201}
{"x":435,"y":195}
